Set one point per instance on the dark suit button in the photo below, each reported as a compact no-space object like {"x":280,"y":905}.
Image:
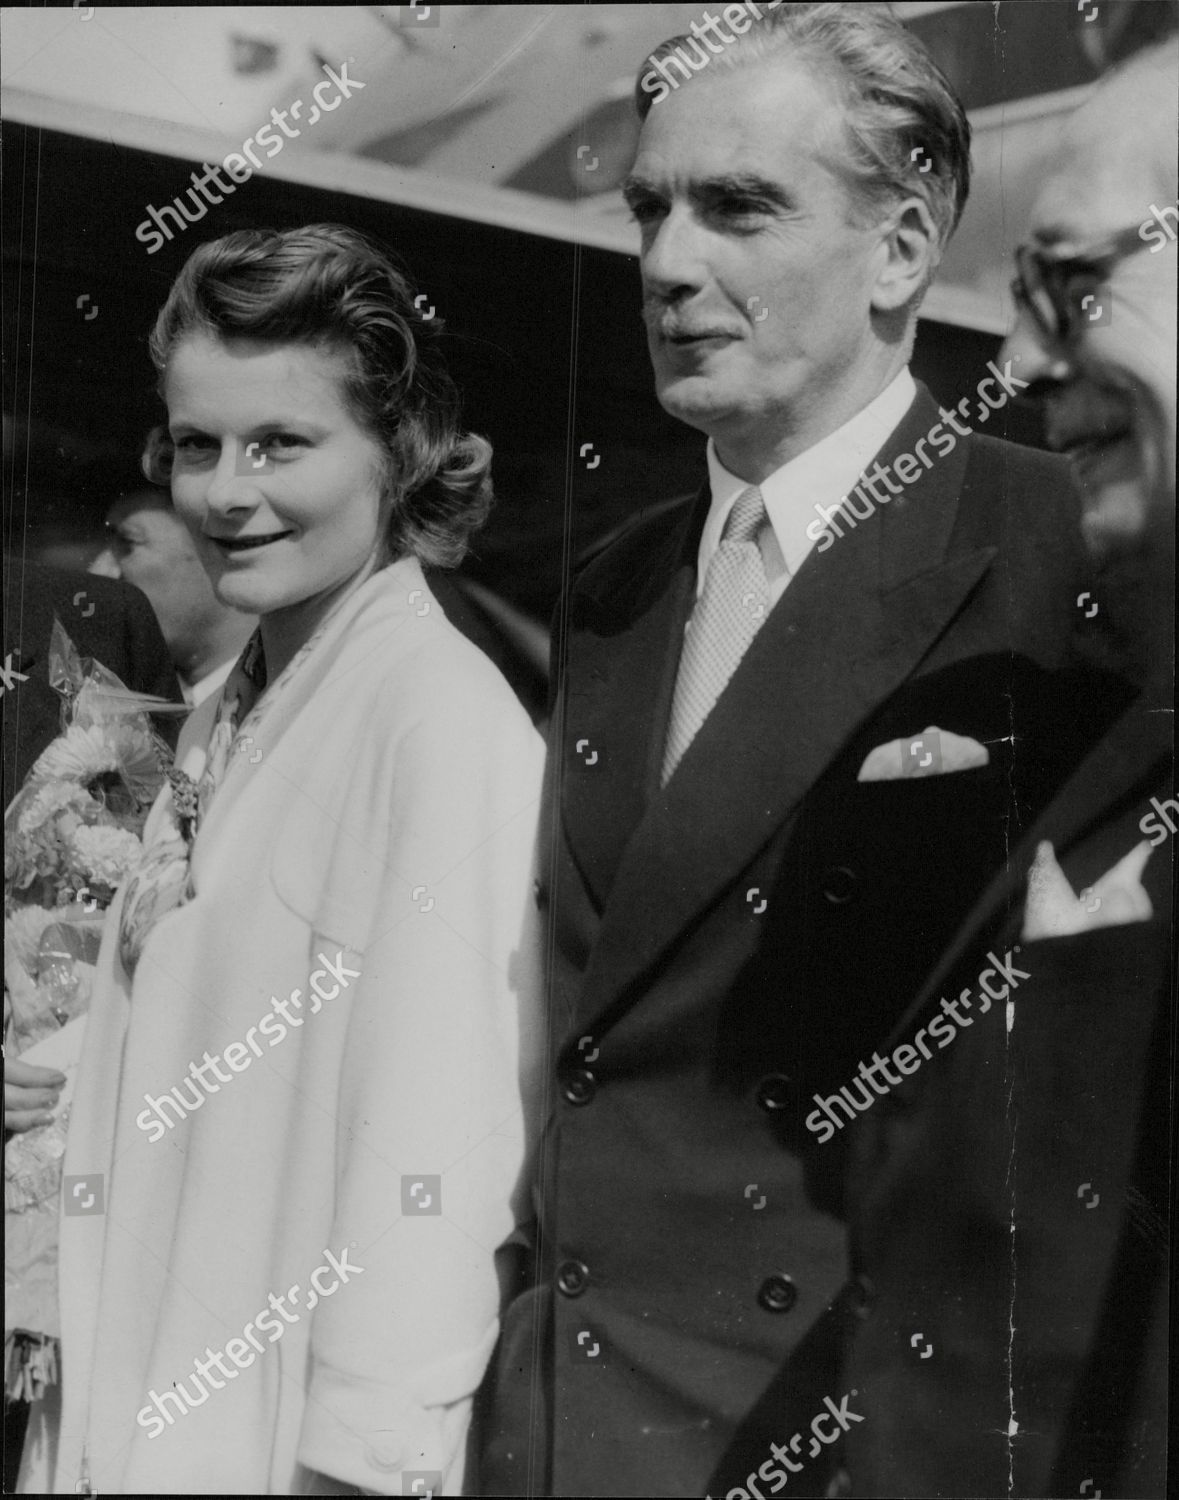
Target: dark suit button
{"x":580,"y":1086}
{"x":572,"y":1277}
{"x":778,"y":1293}
{"x":839,"y":884}
{"x":774,"y":1092}
{"x":863,"y":1296}
{"x":539,"y":895}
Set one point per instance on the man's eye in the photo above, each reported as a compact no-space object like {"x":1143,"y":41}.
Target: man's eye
{"x":739,"y":208}
{"x":643,"y":210}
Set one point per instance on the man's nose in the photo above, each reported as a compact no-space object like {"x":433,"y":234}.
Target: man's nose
{"x":106,"y":564}
{"x":673,"y":257}
{"x":1034,"y":354}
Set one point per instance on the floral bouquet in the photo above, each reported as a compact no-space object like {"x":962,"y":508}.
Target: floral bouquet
{"x":72,"y":836}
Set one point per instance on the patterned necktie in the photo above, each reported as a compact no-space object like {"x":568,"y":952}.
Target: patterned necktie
{"x":727,"y":616}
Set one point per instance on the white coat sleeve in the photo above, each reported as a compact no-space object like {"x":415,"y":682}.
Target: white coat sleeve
{"x":431,"y":1130}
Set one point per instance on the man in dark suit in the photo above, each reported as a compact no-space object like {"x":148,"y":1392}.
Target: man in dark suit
{"x":795,"y":740}
{"x":113,"y":623}
{"x":1009,"y":1204}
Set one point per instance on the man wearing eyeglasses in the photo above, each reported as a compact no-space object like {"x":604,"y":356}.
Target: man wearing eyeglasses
{"x":1010,"y":1207}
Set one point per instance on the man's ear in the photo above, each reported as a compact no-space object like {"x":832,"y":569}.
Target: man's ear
{"x":911,"y":254}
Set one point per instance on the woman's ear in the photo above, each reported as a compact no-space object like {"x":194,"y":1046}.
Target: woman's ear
{"x":911,"y":254}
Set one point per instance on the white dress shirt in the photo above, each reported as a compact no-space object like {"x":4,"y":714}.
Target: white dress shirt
{"x":823,"y":475}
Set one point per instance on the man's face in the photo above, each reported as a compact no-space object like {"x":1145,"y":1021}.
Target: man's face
{"x":1110,"y":395}
{"x":150,"y":547}
{"x":756,"y":288}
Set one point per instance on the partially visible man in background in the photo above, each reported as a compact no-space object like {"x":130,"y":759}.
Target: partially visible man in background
{"x":1011,"y":1210}
{"x":150,"y":547}
{"x":112,"y":623}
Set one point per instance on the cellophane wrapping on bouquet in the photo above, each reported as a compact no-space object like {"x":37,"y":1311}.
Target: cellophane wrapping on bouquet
{"x":72,"y":835}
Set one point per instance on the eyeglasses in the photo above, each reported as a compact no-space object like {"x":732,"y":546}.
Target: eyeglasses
{"x":1058,"y":285}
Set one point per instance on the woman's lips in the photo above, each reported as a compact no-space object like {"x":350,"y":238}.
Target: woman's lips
{"x":247,"y":543}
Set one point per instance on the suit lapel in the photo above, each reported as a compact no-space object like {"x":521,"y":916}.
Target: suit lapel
{"x":847,"y":632}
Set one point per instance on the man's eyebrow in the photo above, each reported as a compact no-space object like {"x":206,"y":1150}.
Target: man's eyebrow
{"x":708,"y":189}
{"x":635,"y":186}
{"x":743,"y":184}
{"x":1052,"y":234}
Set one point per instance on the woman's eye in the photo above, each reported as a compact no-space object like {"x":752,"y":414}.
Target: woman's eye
{"x":191,"y":449}
{"x":278,"y":443}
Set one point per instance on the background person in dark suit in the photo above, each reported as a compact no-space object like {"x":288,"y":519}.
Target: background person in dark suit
{"x":112,"y":622}
{"x":792,"y":747}
{"x":1010,"y":1204}
{"x":109,"y":621}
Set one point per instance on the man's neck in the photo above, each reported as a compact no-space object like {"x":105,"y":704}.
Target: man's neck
{"x":759,"y":451}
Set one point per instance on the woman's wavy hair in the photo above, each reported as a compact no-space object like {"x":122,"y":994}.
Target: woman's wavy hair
{"x":326,"y":284}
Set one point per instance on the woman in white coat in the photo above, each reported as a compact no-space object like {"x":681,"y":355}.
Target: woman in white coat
{"x":301,"y":1106}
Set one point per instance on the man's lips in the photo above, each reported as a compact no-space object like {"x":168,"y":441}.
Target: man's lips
{"x":678,"y":335}
{"x":1103,"y":458}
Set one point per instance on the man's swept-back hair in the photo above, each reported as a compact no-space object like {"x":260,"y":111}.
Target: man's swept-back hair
{"x":330,"y":286}
{"x":906,"y":131}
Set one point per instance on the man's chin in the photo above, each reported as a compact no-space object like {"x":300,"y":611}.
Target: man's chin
{"x":693,"y":400}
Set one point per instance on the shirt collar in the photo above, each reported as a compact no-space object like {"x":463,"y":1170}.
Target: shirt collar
{"x":196,"y":692}
{"x":822,"y":475}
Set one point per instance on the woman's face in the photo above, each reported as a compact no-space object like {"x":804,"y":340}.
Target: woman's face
{"x":279,"y":485}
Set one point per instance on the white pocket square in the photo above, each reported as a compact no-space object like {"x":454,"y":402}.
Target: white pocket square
{"x":1053,"y":910}
{"x":933,"y":752}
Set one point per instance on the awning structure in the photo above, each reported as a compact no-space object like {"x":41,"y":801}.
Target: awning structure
{"x":519,"y":116}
